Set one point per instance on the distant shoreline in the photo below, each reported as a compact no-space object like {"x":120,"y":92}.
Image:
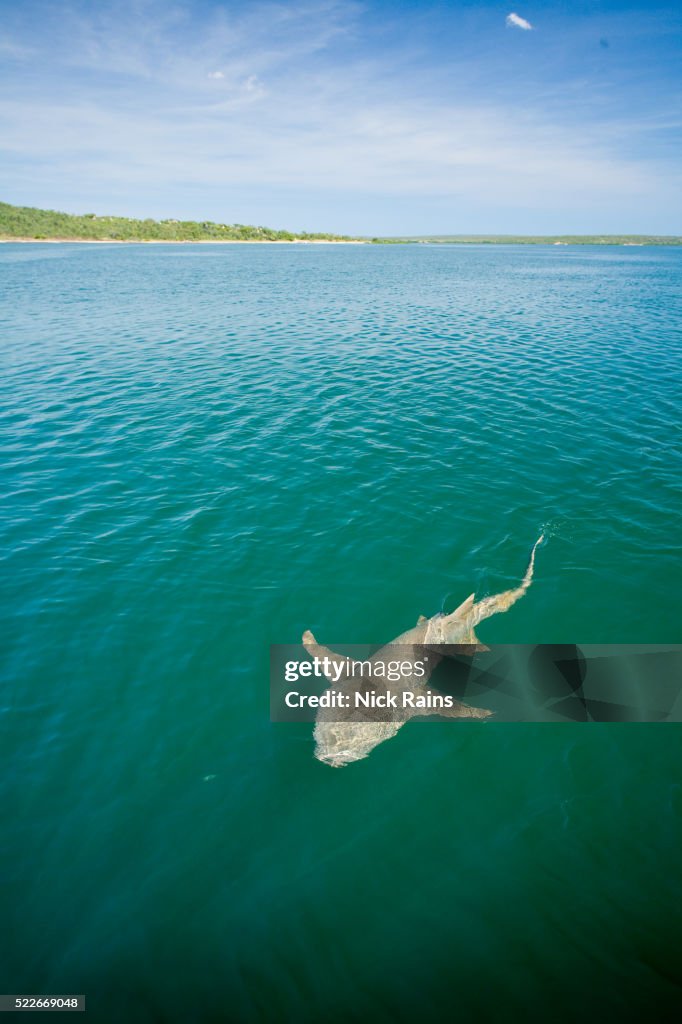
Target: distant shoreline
{"x":30,"y":224}
{"x":670,"y":242}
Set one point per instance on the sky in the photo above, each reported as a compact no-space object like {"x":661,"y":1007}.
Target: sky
{"x":371,"y":118}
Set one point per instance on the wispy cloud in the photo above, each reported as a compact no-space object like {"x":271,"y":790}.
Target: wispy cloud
{"x":216,"y":74}
{"x":515,"y":21}
{"x":14,"y":51}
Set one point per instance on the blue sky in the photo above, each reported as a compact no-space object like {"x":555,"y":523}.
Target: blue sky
{"x":368,"y":117}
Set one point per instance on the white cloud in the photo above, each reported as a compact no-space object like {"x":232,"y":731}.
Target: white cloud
{"x":514,"y":20}
{"x":216,"y":74}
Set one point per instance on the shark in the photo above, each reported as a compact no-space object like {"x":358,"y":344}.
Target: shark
{"x":344,"y":734}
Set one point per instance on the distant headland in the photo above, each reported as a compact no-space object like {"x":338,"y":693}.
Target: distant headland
{"x":29,"y":224}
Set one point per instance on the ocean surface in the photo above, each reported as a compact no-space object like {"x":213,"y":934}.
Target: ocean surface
{"x":209,"y":449}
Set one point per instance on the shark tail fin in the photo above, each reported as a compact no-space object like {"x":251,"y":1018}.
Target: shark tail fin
{"x":528,"y":578}
{"x":502,"y":602}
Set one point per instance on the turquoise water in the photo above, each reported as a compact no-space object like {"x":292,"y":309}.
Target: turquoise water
{"x":210,"y":449}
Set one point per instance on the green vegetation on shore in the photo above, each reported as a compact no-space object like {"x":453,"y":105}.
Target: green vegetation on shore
{"x":28,"y":222}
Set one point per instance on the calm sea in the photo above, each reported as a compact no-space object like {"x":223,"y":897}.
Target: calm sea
{"x":211,"y":449}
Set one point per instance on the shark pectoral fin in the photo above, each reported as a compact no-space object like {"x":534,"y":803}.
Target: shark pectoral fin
{"x":309,"y":642}
{"x":474,"y":644}
{"x":467,"y":646}
{"x":465,"y":649}
{"x":423,"y":705}
{"x":460,"y":710}
{"x":468,"y":712}
{"x":338,"y":665}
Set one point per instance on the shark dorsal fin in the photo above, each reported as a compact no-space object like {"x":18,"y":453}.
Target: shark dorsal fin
{"x":465,"y":607}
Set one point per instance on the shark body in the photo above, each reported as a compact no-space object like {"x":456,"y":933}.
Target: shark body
{"x":350,"y":734}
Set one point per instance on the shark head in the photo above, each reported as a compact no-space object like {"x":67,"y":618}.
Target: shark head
{"x":340,"y":743}
{"x":338,"y":758}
